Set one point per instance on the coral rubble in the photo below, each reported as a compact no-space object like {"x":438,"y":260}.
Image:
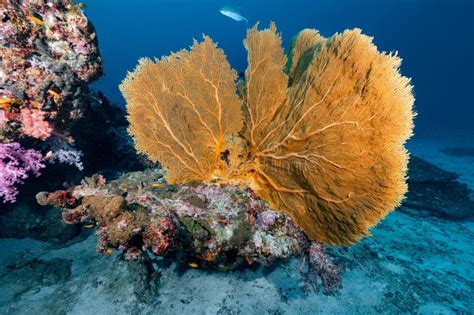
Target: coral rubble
{"x":215,"y":227}
{"x":319,"y":136}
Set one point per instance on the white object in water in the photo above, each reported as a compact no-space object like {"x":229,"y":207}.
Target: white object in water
{"x":229,"y":12}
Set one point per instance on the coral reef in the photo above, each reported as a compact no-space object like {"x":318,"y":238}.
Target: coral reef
{"x":320,"y":136}
{"x":215,"y":227}
{"x":48,"y":54}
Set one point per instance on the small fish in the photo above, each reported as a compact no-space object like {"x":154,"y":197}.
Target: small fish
{"x":35,"y":20}
{"x":249,"y":260}
{"x":5,"y":103}
{"x":5,"y":106}
{"x":223,"y":221}
{"x":233,"y":14}
{"x":48,"y":156}
{"x":156,"y":185}
{"x":54,"y":94}
{"x":89,"y":226}
{"x":6,"y":100}
{"x":36,"y":104}
{"x":82,"y":5}
{"x":193,"y":265}
{"x":109,"y":252}
{"x":210,"y":256}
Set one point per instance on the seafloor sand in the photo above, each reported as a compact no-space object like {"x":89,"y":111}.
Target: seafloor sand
{"x":410,"y":265}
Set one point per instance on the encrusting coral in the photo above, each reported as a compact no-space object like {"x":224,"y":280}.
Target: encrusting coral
{"x":319,"y":136}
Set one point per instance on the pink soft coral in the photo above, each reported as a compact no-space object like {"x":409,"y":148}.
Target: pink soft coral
{"x":34,"y":124}
{"x":3,"y":118}
{"x":15,"y":163}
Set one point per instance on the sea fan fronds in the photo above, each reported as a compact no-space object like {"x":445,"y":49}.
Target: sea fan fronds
{"x":183,"y":109}
{"x":323,"y":132}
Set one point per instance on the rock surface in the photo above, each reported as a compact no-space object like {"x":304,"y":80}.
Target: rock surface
{"x":432,"y":190}
{"x":46,"y":224}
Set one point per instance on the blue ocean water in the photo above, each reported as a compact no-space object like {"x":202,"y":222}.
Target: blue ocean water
{"x":434,"y":38}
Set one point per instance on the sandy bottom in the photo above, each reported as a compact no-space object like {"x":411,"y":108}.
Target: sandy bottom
{"x":410,"y":265}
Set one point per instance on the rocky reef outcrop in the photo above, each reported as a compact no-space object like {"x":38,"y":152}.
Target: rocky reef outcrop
{"x":434,"y":191}
{"x":212,"y":227}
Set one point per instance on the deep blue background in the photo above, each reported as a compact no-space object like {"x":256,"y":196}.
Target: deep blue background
{"x":434,"y":38}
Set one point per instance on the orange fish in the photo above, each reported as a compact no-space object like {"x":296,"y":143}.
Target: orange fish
{"x":5,"y":106}
{"x":35,"y":20}
{"x":156,"y":185}
{"x":89,"y":226}
{"x":249,"y":260}
{"x":36,"y":104}
{"x":6,"y":100}
{"x":193,"y":265}
{"x":54,"y":94}
{"x":109,"y":252}
{"x":210,"y":256}
{"x":251,"y":218}
{"x":82,"y":5}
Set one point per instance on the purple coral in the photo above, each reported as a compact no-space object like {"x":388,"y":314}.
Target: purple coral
{"x":321,"y":267}
{"x":266,"y":219}
{"x":158,"y":234}
{"x":15,"y":164}
{"x":71,"y":157}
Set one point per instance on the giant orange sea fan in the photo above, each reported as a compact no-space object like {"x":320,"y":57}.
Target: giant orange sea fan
{"x":320,"y":135}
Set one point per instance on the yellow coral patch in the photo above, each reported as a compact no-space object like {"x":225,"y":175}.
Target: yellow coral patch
{"x":323,"y":141}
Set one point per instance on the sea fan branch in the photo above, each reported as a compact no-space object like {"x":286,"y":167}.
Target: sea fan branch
{"x":322,"y":141}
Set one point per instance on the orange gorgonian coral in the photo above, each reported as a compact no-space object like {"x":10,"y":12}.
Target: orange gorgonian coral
{"x":320,"y":135}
